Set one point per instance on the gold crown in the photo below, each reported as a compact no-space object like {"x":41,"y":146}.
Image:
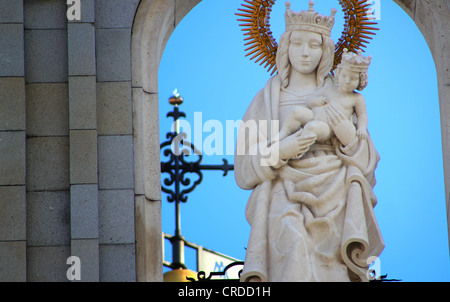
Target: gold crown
{"x":309,"y":20}
{"x":355,"y":62}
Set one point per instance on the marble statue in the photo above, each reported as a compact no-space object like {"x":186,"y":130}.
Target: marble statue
{"x":351,"y":75}
{"x":311,"y":209}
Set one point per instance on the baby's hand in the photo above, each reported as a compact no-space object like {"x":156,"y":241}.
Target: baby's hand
{"x":362,"y":133}
{"x":316,"y":101}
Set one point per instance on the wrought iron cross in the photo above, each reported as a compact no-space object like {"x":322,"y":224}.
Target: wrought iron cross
{"x":177,"y":185}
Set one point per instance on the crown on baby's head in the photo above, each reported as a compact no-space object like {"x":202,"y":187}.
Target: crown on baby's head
{"x":355,"y":62}
{"x":309,"y":20}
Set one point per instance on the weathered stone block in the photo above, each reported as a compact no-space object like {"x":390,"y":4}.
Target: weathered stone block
{"x":45,"y":56}
{"x":82,"y":103}
{"x":115,"y":13}
{"x":12,"y":103}
{"x":183,"y":7}
{"x":114,"y":108}
{"x":47,"y":109}
{"x":83,"y":156}
{"x":13,"y":213}
{"x":115,"y":162}
{"x":88,"y":252}
{"x":153,"y":26}
{"x":118,"y":263}
{"x":13,"y":261}
{"x":11,"y":11}
{"x":84,"y":211}
{"x":81,"y":39}
{"x":408,"y":5}
{"x":45,"y":14}
{"x":116,"y":216}
{"x":12,"y":158}
{"x":47,"y":263}
{"x":48,"y":163}
{"x":148,"y":241}
{"x":113,"y":55}
{"x":48,"y":218}
{"x":146,"y":140}
{"x":11,"y":50}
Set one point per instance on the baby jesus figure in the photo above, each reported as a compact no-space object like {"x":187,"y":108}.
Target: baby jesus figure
{"x":351,"y":75}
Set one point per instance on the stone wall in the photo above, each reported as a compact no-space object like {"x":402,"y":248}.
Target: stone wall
{"x":66,"y":141}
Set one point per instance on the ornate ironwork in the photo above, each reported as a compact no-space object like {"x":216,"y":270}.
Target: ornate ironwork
{"x":178,"y":165}
{"x":178,"y":184}
{"x":384,"y":278}
{"x":201,"y":276}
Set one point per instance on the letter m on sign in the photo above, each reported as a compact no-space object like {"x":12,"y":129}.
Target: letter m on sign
{"x":219,"y":267}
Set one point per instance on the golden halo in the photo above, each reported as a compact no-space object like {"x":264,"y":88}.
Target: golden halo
{"x":263,"y":46}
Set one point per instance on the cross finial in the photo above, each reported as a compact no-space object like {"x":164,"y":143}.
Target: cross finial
{"x":176,"y":99}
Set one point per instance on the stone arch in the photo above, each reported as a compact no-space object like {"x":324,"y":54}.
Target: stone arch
{"x":155,"y":21}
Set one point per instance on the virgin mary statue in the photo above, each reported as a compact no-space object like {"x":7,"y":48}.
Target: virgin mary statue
{"x":311,"y":209}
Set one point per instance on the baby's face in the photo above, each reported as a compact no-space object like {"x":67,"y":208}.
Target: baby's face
{"x":348,"y":80}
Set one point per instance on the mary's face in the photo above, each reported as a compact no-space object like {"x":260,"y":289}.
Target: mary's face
{"x":305,"y":51}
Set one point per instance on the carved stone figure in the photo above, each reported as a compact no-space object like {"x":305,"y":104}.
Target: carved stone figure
{"x":311,"y":209}
{"x":351,"y":75}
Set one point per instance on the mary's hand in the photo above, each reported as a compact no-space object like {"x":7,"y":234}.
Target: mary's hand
{"x":342,"y":127}
{"x":296,"y":145}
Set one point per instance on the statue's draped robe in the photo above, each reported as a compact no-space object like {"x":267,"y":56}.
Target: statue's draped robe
{"x":311,"y":219}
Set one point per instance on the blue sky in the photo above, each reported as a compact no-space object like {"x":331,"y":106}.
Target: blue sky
{"x":205,"y":60}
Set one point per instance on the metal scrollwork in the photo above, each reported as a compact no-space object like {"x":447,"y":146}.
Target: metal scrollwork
{"x":201,"y":276}
{"x":179,"y":165}
{"x":182,"y":160}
